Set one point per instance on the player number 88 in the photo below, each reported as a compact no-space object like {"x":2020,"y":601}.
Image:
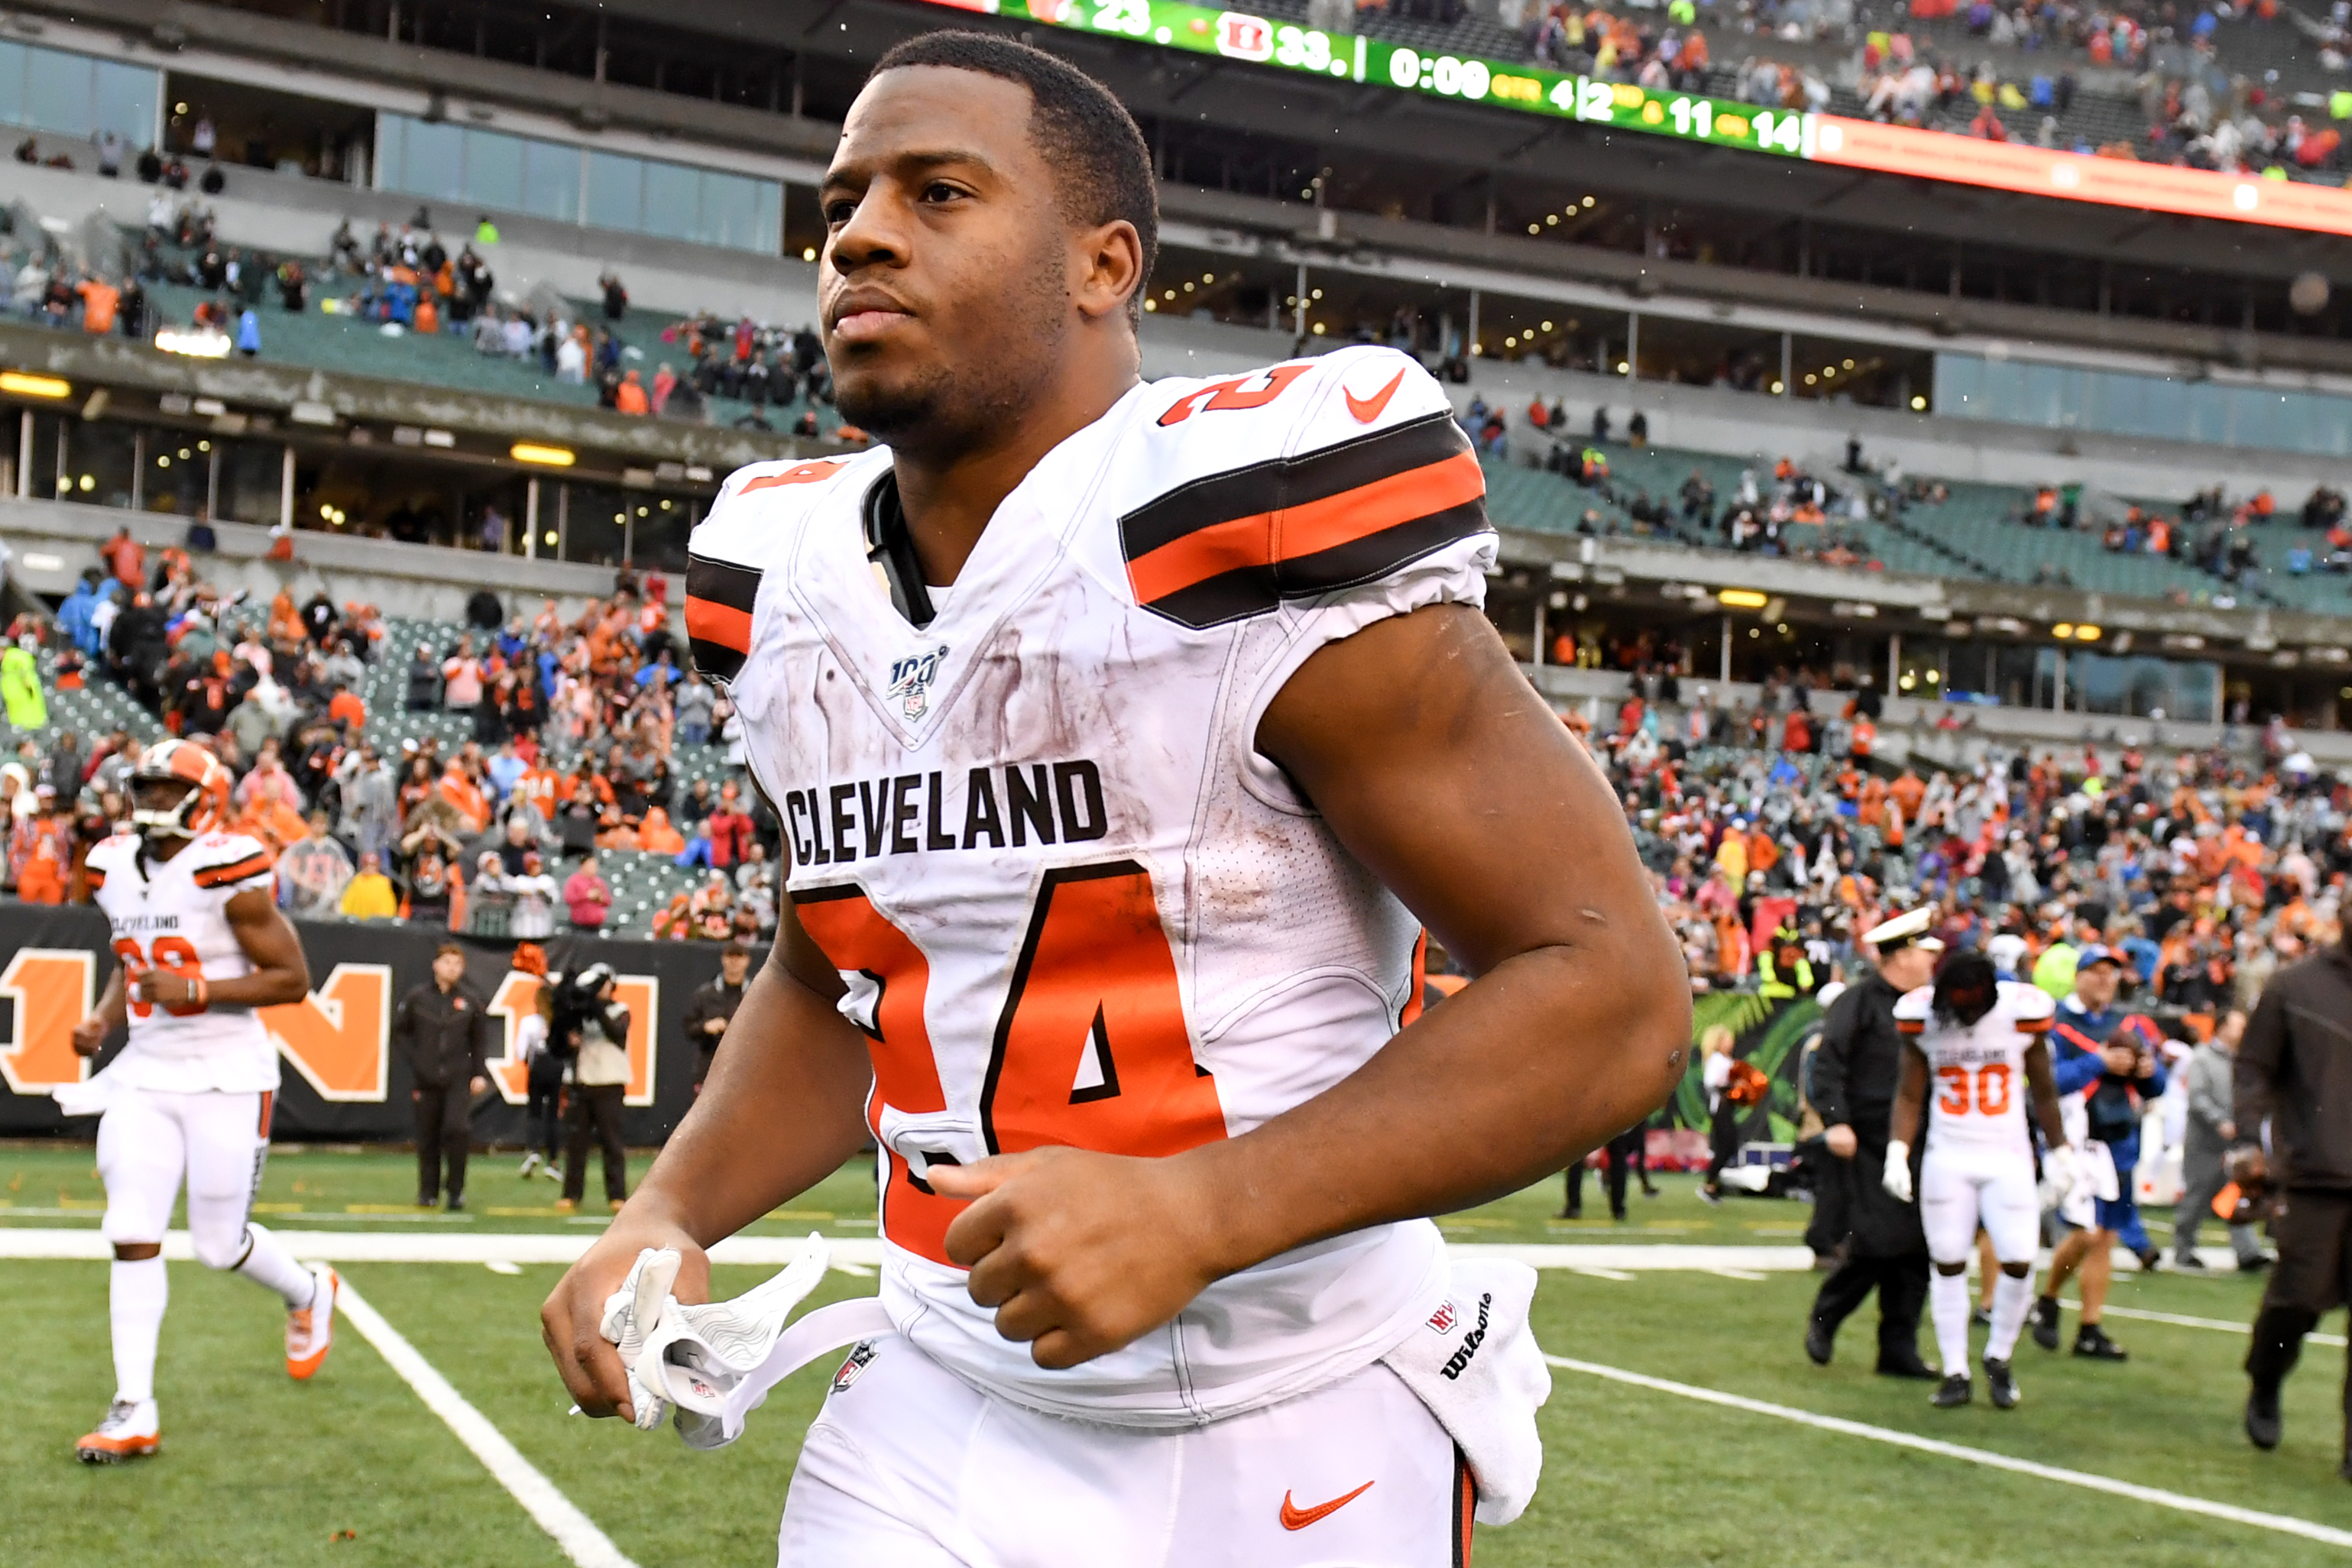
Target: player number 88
{"x":1988,"y":1087}
{"x":172,"y":954}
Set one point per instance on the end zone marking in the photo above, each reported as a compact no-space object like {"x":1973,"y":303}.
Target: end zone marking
{"x":2283,"y":1524}
{"x":571,"y":1529}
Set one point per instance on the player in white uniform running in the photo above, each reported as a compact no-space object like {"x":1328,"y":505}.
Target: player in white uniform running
{"x":1981,"y":1048}
{"x":201,"y":945}
{"x":1124,"y":737}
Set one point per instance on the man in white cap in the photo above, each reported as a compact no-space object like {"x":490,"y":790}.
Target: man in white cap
{"x":1854,"y":1076}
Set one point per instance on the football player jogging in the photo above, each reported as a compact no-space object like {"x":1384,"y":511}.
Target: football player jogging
{"x":1980,"y":1048}
{"x":201,"y":945}
{"x":1126,"y":737}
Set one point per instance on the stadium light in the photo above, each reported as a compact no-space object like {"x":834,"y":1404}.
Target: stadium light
{"x":2063,"y":629}
{"x":1741,"y":598}
{"x":547,"y":456}
{"x":2086,"y":634}
{"x":24,"y":384}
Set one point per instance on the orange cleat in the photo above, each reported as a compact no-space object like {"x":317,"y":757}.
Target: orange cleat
{"x":311,"y":1331}
{"x":129,"y":1432}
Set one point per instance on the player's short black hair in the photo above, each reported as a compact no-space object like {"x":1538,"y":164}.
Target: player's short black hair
{"x":1093,"y":143}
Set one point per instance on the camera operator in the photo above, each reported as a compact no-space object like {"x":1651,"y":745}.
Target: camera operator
{"x":2293,"y":1085}
{"x":595,"y":1029}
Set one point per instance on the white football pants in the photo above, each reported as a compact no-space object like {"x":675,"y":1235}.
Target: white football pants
{"x":1962,"y":1188}
{"x":909,"y":1467}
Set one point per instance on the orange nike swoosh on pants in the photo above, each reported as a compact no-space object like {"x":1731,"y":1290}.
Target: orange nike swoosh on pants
{"x":1295,"y":1518}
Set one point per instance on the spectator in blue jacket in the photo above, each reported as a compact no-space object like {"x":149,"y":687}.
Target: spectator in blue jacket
{"x":2109,"y":1058}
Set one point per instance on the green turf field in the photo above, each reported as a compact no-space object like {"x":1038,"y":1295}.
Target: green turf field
{"x":258,"y":1469}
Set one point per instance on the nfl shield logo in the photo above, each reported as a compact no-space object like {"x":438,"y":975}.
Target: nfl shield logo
{"x":910,"y":681}
{"x":860,"y":1356}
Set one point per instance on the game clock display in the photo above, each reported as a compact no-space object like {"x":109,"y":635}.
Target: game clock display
{"x":1239,"y":35}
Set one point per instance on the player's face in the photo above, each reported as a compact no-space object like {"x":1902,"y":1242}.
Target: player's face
{"x":160,"y":794}
{"x":944,"y":290}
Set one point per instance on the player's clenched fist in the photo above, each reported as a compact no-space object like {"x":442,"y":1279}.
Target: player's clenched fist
{"x":1079,"y":1253}
{"x":571,"y":1318}
{"x":88,"y":1034}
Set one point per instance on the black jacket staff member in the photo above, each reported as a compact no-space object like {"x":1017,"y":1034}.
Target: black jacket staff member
{"x":442,"y":1030}
{"x":2294,"y":1074}
{"x":712,"y":1007}
{"x":1854,"y":1075}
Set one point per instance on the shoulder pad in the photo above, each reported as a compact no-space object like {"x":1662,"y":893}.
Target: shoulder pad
{"x":2028,"y":1004}
{"x":1293,"y":481}
{"x":228,"y":860}
{"x":754,"y":522}
{"x":1912,"y":1006}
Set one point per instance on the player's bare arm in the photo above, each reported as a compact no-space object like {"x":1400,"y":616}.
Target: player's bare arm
{"x":112,"y":1012}
{"x":1911,"y":1100}
{"x":783,"y":1109}
{"x":280,"y":974}
{"x":1437,"y":766}
{"x":2045,"y":1089}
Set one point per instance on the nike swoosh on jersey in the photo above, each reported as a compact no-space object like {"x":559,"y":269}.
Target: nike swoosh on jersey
{"x":1367,"y":409}
{"x":1295,"y":1518}
{"x":1236,"y":544}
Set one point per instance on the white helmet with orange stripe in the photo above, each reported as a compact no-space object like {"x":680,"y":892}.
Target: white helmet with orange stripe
{"x":178,"y":790}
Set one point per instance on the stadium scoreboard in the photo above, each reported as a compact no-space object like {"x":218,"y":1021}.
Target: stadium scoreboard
{"x":1467,"y":79}
{"x":2060,"y":174}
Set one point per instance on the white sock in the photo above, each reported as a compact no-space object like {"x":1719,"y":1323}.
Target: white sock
{"x":1947,"y":1297}
{"x":136,"y":1296}
{"x":2012,"y":1300}
{"x":268,"y":1263}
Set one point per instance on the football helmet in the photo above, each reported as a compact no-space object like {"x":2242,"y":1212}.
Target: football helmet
{"x":202,"y":802}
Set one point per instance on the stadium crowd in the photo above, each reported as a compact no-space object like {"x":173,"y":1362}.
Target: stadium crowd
{"x":574,"y":725}
{"x":1774,"y":838}
{"x":1770,"y":830}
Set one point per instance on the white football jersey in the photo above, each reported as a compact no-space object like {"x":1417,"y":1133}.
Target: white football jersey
{"x":1072,"y":903}
{"x":172,"y":915}
{"x":1977,"y":1092}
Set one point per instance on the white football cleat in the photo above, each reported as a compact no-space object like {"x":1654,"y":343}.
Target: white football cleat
{"x":311,"y":1331}
{"x":530,"y":1164}
{"x":131,"y":1431}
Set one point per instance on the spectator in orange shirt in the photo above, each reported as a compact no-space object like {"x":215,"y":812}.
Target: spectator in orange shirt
{"x":100,"y":303}
{"x":346,"y":709}
{"x":631,"y":396}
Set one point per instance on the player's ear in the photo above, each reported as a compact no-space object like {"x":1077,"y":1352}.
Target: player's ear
{"x":1106,"y":264}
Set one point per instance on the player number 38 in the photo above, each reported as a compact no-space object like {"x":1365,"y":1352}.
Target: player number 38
{"x":171,"y":955}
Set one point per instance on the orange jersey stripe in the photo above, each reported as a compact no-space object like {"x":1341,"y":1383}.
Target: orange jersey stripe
{"x":805,"y":474}
{"x":1267,"y":538}
{"x":707,"y":620}
{"x":251,"y":866}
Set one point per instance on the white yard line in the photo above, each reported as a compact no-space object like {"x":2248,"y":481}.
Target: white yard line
{"x":852,"y":1253}
{"x":573,"y":1531}
{"x":2283,"y":1524}
{"x":2219,"y":1325}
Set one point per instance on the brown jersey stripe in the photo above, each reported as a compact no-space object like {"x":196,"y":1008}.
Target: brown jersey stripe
{"x":237,"y":871}
{"x":1307,"y":529}
{"x":1282,"y":483}
{"x":1256,"y":591}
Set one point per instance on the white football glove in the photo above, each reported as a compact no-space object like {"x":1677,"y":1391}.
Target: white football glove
{"x":1896,"y":1178}
{"x":2062,"y":1168}
{"x":693,"y":1357}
